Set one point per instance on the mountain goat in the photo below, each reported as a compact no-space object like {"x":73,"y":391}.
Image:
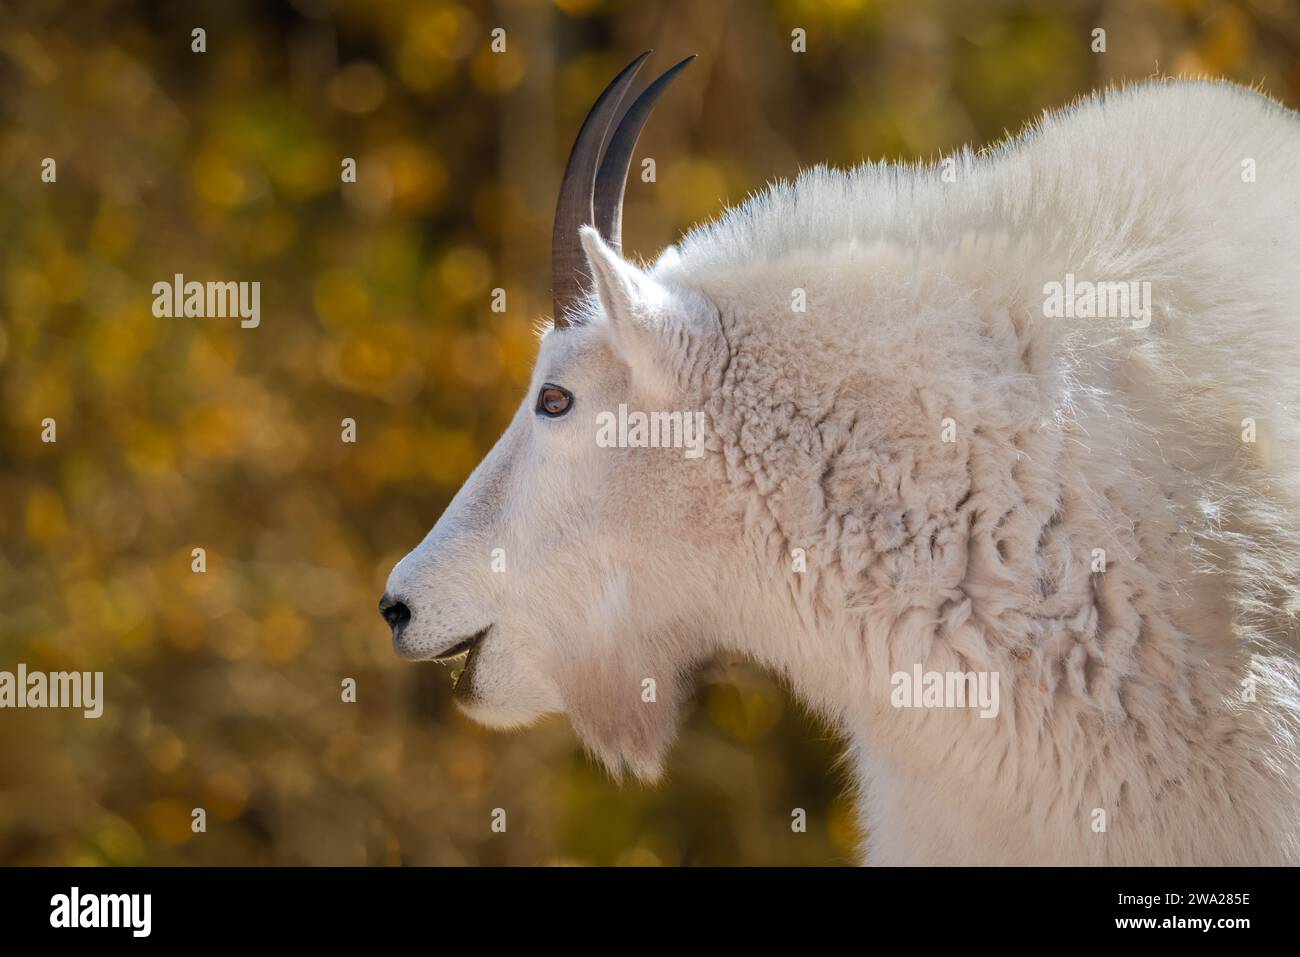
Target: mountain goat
{"x":1023,"y":422}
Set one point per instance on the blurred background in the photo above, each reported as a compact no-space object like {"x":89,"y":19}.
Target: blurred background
{"x":223,"y":689}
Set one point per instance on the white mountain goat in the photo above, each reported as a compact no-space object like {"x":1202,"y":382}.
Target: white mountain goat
{"x":949,"y":449}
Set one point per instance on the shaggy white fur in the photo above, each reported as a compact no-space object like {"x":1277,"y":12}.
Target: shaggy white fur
{"x":1150,"y":712}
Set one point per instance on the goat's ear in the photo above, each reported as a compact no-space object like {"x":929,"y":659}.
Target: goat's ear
{"x":656,"y":330}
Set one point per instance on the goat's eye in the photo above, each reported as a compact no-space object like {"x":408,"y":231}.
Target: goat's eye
{"x":553,"y":401}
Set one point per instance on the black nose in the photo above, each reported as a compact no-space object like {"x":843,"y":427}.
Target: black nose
{"x":395,"y":613}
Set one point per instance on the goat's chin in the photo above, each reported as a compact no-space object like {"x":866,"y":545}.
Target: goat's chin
{"x":639,"y":758}
{"x":627,"y":734}
{"x":498,"y":717}
{"x":498,"y":693}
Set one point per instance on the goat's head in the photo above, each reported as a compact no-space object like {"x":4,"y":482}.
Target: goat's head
{"x":560,"y":567}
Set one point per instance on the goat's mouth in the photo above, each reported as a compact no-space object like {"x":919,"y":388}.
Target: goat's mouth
{"x":460,"y":657}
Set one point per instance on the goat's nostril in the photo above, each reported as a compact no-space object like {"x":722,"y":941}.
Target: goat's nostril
{"x":395,"y":613}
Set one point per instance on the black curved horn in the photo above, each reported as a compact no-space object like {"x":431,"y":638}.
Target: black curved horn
{"x":611,"y":180}
{"x":573,"y":207}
